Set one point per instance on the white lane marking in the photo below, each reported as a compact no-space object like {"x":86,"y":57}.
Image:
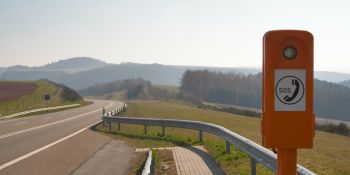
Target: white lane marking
{"x":49,"y":124}
{"x":37,"y":110}
{"x":44,"y":147}
{"x":26,"y":118}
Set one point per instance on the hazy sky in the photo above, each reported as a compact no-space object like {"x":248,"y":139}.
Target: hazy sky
{"x":207,"y":33}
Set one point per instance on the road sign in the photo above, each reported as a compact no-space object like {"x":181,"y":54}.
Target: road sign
{"x":47,"y":97}
{"x":289,"y":90}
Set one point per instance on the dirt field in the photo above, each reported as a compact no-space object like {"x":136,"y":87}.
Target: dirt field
{"x":12,"y":90}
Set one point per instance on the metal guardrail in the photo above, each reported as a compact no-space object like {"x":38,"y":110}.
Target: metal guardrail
{"x":255,"y":151}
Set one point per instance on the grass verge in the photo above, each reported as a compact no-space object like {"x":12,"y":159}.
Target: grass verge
{"x":164,"y":163}
{"x":330,"y":155}
{"x":137,"y":163}
{"x":83,"y":103}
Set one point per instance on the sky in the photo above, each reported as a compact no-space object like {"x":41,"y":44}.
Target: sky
{"x":174,"y":32}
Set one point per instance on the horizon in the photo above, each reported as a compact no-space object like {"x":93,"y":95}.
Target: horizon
{"x":242,"y":67}
{"x":188,"y":33}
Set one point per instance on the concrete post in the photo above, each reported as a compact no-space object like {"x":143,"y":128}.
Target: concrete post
{"x":228,"y":147}
{"x":163,"y":131}
{"x":145,"y":129}
{"x":200,"y":135}
{"x":252,"y":166}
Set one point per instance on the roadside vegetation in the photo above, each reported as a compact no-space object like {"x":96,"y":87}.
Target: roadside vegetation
{"x":331,"y":100}
{"x":137,"y":163}
{"x":341,"y":128}
{"x":330,"y":154}
{"x":18,"y":96}
{"x":206,"y":90}
{"x":164,"y":163}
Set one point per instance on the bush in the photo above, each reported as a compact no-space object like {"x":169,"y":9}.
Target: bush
{"x":341,"y":128}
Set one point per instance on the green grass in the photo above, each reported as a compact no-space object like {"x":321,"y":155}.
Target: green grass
{"x":330,"y":155}
{"x":119,"y":95}
{"x":35,"y":99}
{"x":83,"y":103}
{"x":170,"y":89}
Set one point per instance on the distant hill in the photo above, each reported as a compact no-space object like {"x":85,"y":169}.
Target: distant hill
{"x":156,"y":73}
{"x":73,"y":65}
{"x":82,"y":72}
{"x":334,"y":77}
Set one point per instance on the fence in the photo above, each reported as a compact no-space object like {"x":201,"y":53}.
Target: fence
{"x":255,"y":151}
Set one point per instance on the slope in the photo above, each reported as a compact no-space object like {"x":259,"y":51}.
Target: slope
{"x":17,"y":96}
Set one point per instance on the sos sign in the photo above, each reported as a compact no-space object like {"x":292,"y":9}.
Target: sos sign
{"x":288,"y":116}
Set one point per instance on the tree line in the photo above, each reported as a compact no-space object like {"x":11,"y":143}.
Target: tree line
{"x":330,"y":100}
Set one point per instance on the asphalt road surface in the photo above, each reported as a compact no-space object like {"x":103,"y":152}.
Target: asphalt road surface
{"x":58,"y":143}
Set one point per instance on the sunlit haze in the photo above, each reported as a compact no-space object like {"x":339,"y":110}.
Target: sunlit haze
{"x":204,"y":33}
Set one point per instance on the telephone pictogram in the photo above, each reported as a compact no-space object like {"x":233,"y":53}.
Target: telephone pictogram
{"x":295,"y":83}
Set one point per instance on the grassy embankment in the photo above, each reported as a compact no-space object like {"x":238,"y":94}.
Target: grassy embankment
{"x":36,"y":99}
{"x":330,"y":155}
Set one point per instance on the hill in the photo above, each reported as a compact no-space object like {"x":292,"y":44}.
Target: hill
{"x":17,"y":96}
{"x":82,"y":72}
{"x":73,"y":65}
{"x":334,"y":77}
{"x":155,"y":73}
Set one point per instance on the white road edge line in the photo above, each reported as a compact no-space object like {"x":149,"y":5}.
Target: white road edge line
{"x":44,"y":147}
{"x":48,"y":124}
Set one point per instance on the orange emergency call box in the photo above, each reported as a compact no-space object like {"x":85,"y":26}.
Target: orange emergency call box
{"x":288,"y":119}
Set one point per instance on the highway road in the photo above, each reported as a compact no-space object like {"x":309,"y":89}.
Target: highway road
{"x":55,"y":143}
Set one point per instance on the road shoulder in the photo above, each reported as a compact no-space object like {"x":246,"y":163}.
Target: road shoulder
{"x":113,"y":158}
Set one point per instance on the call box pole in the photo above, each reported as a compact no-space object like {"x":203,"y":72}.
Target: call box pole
{"x":286,"y":161}
{"x":288,"y":120}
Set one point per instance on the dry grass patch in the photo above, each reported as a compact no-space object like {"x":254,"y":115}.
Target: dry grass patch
{"x":164,"y":162}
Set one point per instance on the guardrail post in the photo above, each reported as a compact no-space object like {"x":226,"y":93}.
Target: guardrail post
{"x":163,"y":131}
{"x":200,"y":135}
{"x":252,"y":166}
{"x":228,"y":147}
{"x":118,"y":126}
{"x":145,"y":129}
{"x":110,"y":126}
{"x":103,"y":123}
